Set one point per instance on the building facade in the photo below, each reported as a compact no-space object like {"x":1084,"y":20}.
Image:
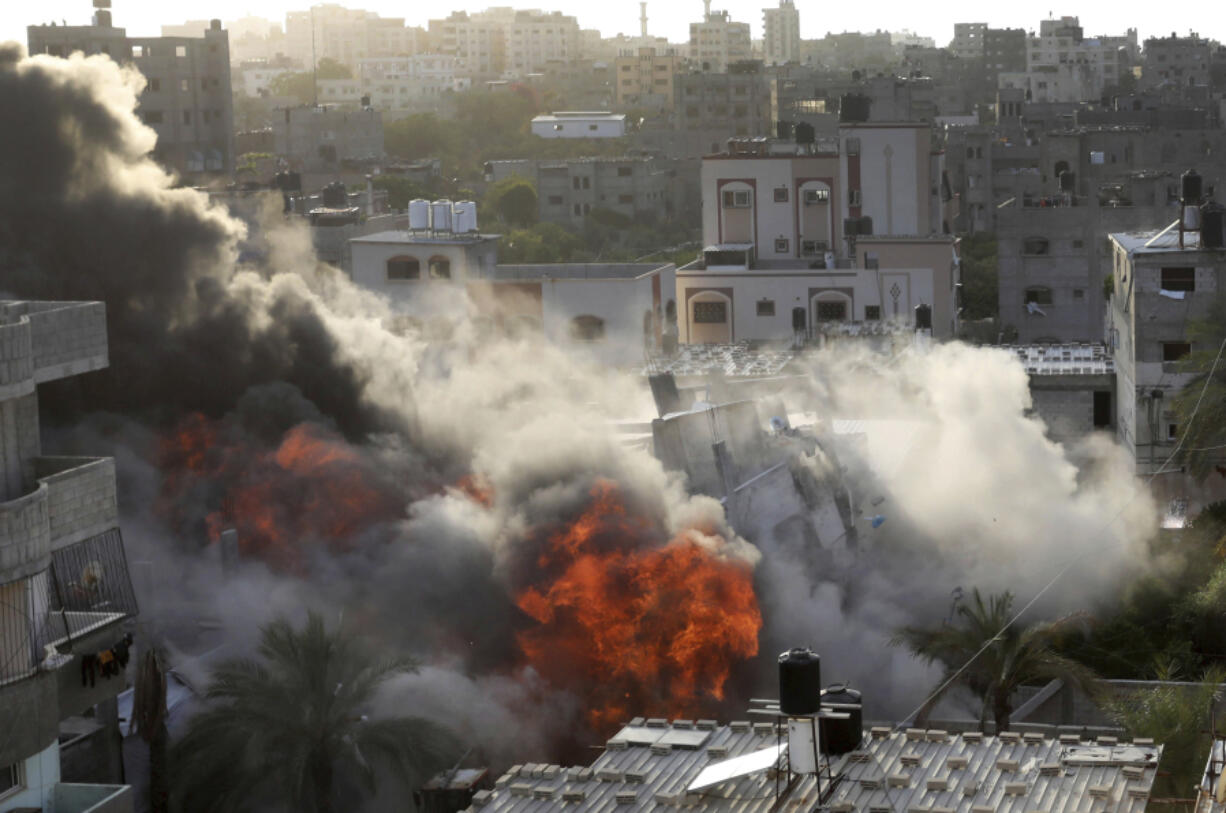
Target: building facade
{"x":646,"y":78}
{"x":968,"y":42}
{"x":322,"y":137}
{"x":717,"y":41}
{"x":187,"y":98}
{"x":330,"y":31}
{"x":781,"y":34}
{"x":568,"y":190}
{"x":504,"y":42}
{"x":65,"y":590}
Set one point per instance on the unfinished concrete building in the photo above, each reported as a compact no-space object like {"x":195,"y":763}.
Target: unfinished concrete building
{"x":65,"y":592}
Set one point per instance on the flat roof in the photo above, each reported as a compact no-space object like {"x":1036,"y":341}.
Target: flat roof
{"x":1154,"y":241}
{"x":400,"y":237}
{"x":1064,"y":359}
{"x":580,"y":117}
{"x":603,"y":271}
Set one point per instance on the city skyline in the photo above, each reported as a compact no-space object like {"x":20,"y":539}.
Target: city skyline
{"x":145,"y":18}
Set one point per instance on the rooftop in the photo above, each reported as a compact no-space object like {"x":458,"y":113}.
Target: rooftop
{"x":650,"y":764}
{"x":732,"y":360}
{"x":1155,"y":241}
{"x":426,"y":238}
{"x":1064,"y":359}
{"x":579,"y":115}
{"x":605,"y":271}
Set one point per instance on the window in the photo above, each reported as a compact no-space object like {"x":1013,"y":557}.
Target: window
{"x":187,"y":117}
{"x":1079,"y":294}
{"x":766,"y":307}
{"x":831,"y":311}
{"x":872,"y":313}
{"x":1174,"y":351}
{"x":782,"y":245}
{"x":1035,"y":245}
{"x":578,"y":210}
{"x":1102,"y":410}
{"x":814,"y":196}
{"x":153,"y":116}
{"x":1172,"y":432}
{"x":400,"y":268}
{"x":812,"y":248}
{"x":625,"y":172}
{"x":1079,"y":243}
{"x":626,"y":200}
{"x":555,"y":200}
{"x":736,"y":199}
{"x":440,"y":268}
{"x":204,"y":83}
{"x":852,"y":146}
{"x":11,"y":778}
{"x":180,"y":51}
{"x":587,"y":328}
{"x":1037,"y":296}
{"x":155,"y":85}
{"x":575,"y":182}
{"x":1179,"y":279}
{"x":592,"y":127}
{"x":710,"y":313}
{"x":853,"y":197}
{"x":587,"y":182}
{"x":138,"y":51}
{"x":781,"y":194}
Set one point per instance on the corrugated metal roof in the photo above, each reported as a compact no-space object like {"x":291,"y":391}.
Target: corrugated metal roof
{"x":900,"y":772}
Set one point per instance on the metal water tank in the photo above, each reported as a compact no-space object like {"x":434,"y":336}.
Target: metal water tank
{"x":465,"y":213}
{"x":800,"y":682}
{"x":841,"y":736}
{"x":419,"y":215}
{"x":335,"y":196}
{"x":1213,"y":221}
{"x":923,"y":317}
{"x":1190,"y":186}
{"x":440,"y":216}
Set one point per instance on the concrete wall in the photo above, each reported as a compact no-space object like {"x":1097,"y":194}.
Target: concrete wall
{"x":25,"y":536}
{"x":82,"y":498}
{"x":74,"y":798}
{"x":28,"y":718}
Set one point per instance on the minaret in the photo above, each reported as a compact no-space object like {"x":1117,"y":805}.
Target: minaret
{"x":643,"y":19}
{"x":706,"y":15}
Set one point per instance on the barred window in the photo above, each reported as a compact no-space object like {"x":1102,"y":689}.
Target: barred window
{"x":710,"y":312}
{"x":89,"y":587}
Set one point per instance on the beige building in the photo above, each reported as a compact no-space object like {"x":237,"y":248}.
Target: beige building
{"x":781,"y":34}
{"x":646,"y":78}
{"x":503,"y":41}
{"x":330,"y":31}
{"x":717,"y":42}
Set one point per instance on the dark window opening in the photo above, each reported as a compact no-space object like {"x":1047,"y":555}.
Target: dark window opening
{"x":1038,"y":296}
{"x":1174,"y":351}
{"x":403,"y":268}
{"x":1102,"y":410}
{"x":1179,"y":279}
{"x":831,"y":311}
{"x":781,"y":194}
{"x":710,"y":313}
{"x":440,"y":268}
{"x":766,"y":307}
{"x":872,"y":313}
{"x":587,"y":328}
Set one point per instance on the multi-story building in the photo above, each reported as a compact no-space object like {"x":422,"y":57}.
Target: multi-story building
{"x":536,"y":39}
{"x":568,"y":190}
{"x":187,"y":98}
{"x":646,"y":78}
{"x":1178,"y":68}
{"x":968,"y":42}
{"x":329,"y":31}
{"x":407,"y":83}
{"x":1062,"y":65}
{"x":65,"y":591}
{"x":781,"y":34}
{"x":1157,"y":287}
{"x":507,"y":42}
{"x":849,"y":50}
{"x":792,"y":239}
{"x":322,"y":137}
{"x":710,"y":108}
{"x":717,"y":41}
{"x":1004,"y":51}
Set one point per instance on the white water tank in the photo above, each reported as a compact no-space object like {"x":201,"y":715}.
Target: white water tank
{"x":440,"y":216}
{"x":465,"y":212}
{"x":419,"y":214}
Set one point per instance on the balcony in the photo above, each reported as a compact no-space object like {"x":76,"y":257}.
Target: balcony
{"x":62,"y":339}
{"x":81,"y":498}
{"x":76,"y":798}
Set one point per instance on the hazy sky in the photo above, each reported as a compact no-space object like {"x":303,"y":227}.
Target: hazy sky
{"x":144,"y":17}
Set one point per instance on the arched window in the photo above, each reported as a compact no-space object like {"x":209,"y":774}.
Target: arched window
{"x":440,"y":267}
{"x":401,"y":268}
{"x":587,"y":328}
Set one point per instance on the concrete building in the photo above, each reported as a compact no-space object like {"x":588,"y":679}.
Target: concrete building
{"x":968,"y":41}
{"x":646,"y":78}
{"x":580,"y":124}
{"x":330,"y":31}
{"x":713,"y":107}
{"x":65,"y":591}
{"x":568,"y":190}
{"x":316,"y":138}
{"x":1178,"y":68}
{"x":504,"y":42}
{"x":610,"y":312}
{"x":1072,"y":387}
{"x":419,"y":82}
{"x":1157,"y":288}
{"x":781,"y":34}
{"x":187,"y":97}
{"x":1063,"y":65}
{"x":850,"y":50}
{"x":1004,"y":51}
{"x":717,"y":41}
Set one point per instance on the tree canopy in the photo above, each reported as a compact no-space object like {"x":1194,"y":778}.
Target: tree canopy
{"x":1204,"y":437}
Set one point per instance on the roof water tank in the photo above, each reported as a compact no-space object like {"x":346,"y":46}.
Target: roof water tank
{"x":1213,"y":221}
{"x":841,"y":735}
{"x":1068,"y":182}
{"x":1191,"y":188}
{"x":923,"y":317}
{"x":419,"y":214}
{"x":335,"y":196}
{"x":440,"y":215}
{"x":800,"y":682}
{"x":465,"y":212}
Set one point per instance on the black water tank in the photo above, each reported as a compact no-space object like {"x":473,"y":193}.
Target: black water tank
{"x":1191,"y":188}
{"x":335,"y":196}
{"x":866,"y":225}
{"x":800,"y":682}
{"x":923,"y":317}
{"x":1213,"y":220}
{"x":854,"y":107}
{"x":851,"y":226}
{"x":1068,"y":182}
{"x":841,"y":736}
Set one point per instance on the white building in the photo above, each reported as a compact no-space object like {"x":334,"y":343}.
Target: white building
{"x":256,"y":80}
{"x":781,"y":40}
{"x":505,"y":42}
{"x":330,"y":31}
{"x":717,"y":42}
{"x":612,"y":312}
{"x":1062,"y":65}
{"x":401,"y":83}
{"x":580,"y":124}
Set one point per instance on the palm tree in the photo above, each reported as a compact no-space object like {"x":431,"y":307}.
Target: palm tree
{"x":1013,"y":657}
{"x":288,"y":730}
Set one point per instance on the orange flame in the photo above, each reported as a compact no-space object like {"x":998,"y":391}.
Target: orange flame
{"x":639,"y":630}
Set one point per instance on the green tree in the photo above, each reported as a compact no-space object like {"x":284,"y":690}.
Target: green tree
{"x":421,"y":135}
{"x":979,"y":277}
{"x":328,"y":68}
{"x":300,"y":86}
{"x":400,"y":191}
{"x":1014,"y":656}
{"x":513,"y":200}
{"x":289,"y":729}
{"x":1204,"y":437}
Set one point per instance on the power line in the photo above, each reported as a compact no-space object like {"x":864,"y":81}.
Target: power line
{"x":1060,"y":573}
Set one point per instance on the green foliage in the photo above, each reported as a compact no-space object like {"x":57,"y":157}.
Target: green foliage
{"x":1108,"y":287}
{"x":328,"y":68}
{"x":1200,"y":435}
{"x":979,"y":277}
{"x":542,"y":243}
{"x":513,"y":201}
{"x":288,"y":730}
{"x":401,"y":190}
{"x":1177,"y":716}
{"x":1013,"y":658}
{"x":300,"y":86}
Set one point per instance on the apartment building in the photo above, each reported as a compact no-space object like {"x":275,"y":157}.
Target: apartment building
{"x":65,"y":592}
{"x":408,"y":83}
{"x":646,"y":77}
{"x":1177,"y":68}
{"x":187,"y":98}
{"x":717,"y":41}
{"x":1004,"y":51}
{"x":712,"y":107}
{"x":507,"y":42}
{"x":968,"y":41}
{"x":1063,"y":65}
{"x":781,"y":34}
{"x":537,"y":39}
{"x":792,"y":239}
{"x":330,"y":31}
{"x":321,"y":138}
{"x":568,"y":190}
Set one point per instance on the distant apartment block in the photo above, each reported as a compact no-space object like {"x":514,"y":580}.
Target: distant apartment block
{"x":569,"y":190}
{"x":717,"y":41}
{"x":330,"y":31}
{"x":506,"y":42}
{"x":187,"y":99}
{"x":1178,"y":68}
{"x":712,"y":107}
{"x":968,"y":42}
{"x":1063,"y":65}
{"x":781,"y":34}
{"x":324,"y":137}
{"x":646,"y":78}
{"x":66,"y":596}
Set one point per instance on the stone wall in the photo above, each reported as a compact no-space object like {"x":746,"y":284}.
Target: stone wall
{"x":82,"y":500}
{"x":25,"y":536}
